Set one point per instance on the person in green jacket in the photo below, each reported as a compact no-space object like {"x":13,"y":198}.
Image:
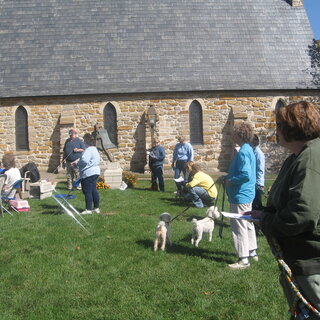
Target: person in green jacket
{"x":292,"y":215}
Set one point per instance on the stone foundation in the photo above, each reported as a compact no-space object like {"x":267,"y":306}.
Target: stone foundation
{"x":50,"y":118}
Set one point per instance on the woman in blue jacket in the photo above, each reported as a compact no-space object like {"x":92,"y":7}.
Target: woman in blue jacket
{"x":240,"y":186}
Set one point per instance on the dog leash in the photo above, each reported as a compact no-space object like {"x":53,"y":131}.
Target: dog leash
{"x":301,"y":308}
{"x":222,"y":209}
{"x":199,"y":197}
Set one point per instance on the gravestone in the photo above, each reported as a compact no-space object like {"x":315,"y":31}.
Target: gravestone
{"x":113,"y":175}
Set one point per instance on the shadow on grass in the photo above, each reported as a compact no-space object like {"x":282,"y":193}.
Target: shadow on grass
{"x":218,"y":256}
{"x":54,"y":209}
{"x":51,"y":209}
{"x":143,"y":189}
{"x":174,"y":201}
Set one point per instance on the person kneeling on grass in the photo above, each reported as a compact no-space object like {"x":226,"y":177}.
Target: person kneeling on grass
{"x":201,"y":189}
{"x":89,"y":173}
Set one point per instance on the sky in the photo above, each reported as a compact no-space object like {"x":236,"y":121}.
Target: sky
{"x":313,"y":12}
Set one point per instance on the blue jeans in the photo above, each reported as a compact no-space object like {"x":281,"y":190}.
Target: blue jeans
{"x":89,"y":189}
{"x":198,"y":195}
{"x":180,"y":167}
{"x":157,"y":172}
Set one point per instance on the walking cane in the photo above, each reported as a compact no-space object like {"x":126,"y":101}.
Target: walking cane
{"x":222,"y":209}
{"x":64,"y":159}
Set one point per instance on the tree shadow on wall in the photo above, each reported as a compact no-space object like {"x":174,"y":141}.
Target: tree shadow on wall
{"x":226,"y":144}
{"x":278,"y":154}
{"x":314,"y":70}
{"x":138,"y":160}
{"x":54,"y":160}
{"x":314,"y":53}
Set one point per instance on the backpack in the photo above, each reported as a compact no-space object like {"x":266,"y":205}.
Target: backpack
{"x":33,"y":173}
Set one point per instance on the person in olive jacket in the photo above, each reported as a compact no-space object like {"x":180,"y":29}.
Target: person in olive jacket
{"x":292,"y":215}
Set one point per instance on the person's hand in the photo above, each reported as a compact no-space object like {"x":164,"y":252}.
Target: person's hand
{"x":256,"y":214}
{"x":221,"y":179}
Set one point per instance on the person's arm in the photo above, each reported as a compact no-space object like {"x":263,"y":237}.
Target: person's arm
{"x":174,"y":157}
{"x":190,"y":152}
{"x":260,"y":169}
{"x":243,"y":170}
{"x":84,"y":160}
{"x":64,"y":155}
{"x":301,"y":212}
{"x":81,"y":147}
{"x":162,"y":154}
{"x":194,"y":182}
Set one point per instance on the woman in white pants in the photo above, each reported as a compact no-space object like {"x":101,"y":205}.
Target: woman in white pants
{"x":240,"y":185}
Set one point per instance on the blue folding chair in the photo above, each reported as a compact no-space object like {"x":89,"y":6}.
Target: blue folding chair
{"x":63,"y":201}
{"x":6,"y":196}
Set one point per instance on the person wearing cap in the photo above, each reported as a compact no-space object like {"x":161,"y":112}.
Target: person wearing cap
{"x":72,"y":151}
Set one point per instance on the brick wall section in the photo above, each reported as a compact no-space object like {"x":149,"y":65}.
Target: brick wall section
{"x":50,"y":119}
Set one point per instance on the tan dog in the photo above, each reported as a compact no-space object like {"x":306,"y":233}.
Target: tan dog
{"x":163,"y":232}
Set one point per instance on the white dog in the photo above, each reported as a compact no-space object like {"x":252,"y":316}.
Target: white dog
{"x":163,"y":231}
{"x":204,"y":225}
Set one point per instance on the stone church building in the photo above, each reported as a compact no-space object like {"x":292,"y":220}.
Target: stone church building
{"x":146,"y":68}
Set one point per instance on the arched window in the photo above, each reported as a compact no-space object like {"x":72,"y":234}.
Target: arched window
{"x":195,"y":123}
{"x":21,"y":122}
{"x":110,"y":122}
{"x":279,"y":104}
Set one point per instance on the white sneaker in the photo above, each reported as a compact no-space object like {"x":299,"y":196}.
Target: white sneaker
{"x":97,"y":210}
{"x":86,"y":212}
{"x":239,"y":265}
{"x":255,"y":258}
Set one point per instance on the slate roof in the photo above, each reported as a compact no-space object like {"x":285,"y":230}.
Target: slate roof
{"x":69,"y":47}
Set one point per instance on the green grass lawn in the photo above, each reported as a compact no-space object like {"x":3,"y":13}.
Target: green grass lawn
{"x":52,"y":269}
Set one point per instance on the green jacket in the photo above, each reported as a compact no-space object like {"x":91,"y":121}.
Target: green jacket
{"x":293,"y":210}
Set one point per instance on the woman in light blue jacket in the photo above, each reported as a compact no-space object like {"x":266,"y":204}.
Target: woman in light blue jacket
{"x":240,"y":186}
{"x":89,"y":173}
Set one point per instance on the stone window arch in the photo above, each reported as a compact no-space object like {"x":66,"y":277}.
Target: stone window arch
{"x":280,"y":103}
{"x":21,"y":128}
{"x":196,"y":123}
{"x":110,"y":122}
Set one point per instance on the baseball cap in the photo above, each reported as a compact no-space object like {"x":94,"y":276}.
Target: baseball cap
{"x":72,"y":132}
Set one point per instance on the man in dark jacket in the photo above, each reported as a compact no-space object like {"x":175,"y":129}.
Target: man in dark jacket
{"x":72,"y":152}
{"x":156,"y":158}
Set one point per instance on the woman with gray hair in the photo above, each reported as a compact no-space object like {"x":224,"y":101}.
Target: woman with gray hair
{"x":240,"y":186}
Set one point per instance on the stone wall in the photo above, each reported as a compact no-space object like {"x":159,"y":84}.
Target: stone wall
{"x":50,"y":118}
